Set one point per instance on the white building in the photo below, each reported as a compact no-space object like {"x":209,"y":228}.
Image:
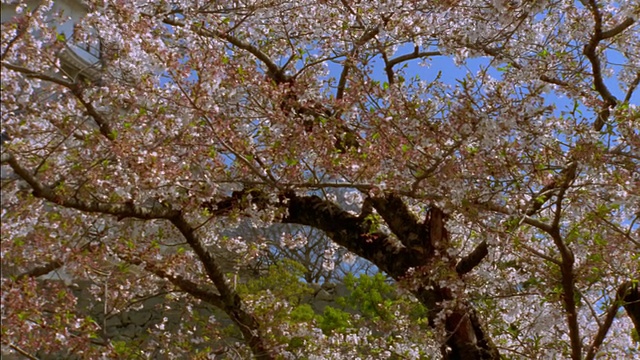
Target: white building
{"x":76,"y":59}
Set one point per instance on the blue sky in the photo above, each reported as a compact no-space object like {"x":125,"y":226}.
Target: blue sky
{"x":450,"y":72}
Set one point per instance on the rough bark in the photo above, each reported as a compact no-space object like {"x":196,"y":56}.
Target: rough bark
{"x":627,"y":296}
{"x":413,"y":245}
{"x":629,"y":292}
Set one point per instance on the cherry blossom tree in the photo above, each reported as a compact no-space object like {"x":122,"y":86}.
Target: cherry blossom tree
{"x":503,"y":197}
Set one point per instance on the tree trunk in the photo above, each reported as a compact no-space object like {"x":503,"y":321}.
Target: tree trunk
{"x":414,"y":246}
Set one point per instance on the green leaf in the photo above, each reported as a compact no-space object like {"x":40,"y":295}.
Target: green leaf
{"x":303,"y":313}
{"x":333,"y":320}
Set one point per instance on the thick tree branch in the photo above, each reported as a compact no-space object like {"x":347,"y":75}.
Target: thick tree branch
{"x":628,"y":296}
{"x":632,"y":87}
{"x":568,"y":260}
{"x":596,"y":67}
{"x":403,"y":223}
{"x":229,"y":300}
{"x":186,"y":285}
{"x":355,"y":233}
{"x":566,"y":268}
{"x":467,"y":339}
{"x":618,"y":28}
{"x":41,"y":270}
{"x":568,"y":293}
{"x":469,"y":262}
{"x":121,"y":210}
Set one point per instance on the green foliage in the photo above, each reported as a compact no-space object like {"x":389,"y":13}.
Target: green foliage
{"x":379,"y":301}
{"x":303,"y":313}
{"x":127,"y":349}
{"x":296,"y":342}
{"x":334,"y":320}
{"x":373,"y":222}
{"x":371,"y":295}
{"x":282,"y":280}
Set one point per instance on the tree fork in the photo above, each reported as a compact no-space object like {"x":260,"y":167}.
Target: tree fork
{"x":466,"y":338}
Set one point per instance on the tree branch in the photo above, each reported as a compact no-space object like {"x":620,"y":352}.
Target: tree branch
{"x":416,"y":54}
{"x":590,"y":52}
{"x":630,"y":294}
{"x":103,"y":124}
{"x":342,"y":82}
{"x":273,"y":70}
{"x":41,"y":270}
{"x":568,"y":260}
{"x":524,"y":218}
{"x":466,"y":339}
{"x":403,"y":223}
{"x":617,"y":29}
{"x":355,"y":233}
{"x":568,"y":290}
{"x":76,"y":90}
{"x":624,"y":296}
{"x":567,"y":176}
{"x":121,"y":210}
{"x":469,"y":262}
{"x":22,"y":352}
{"x":540,"y":255}
{"x":183,"y":284}
{"x":359,"y":235}
{"x":632,"y":88}
{"x":229,"y":300}
{"x":37,"y":75}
